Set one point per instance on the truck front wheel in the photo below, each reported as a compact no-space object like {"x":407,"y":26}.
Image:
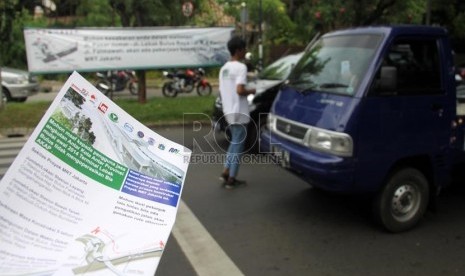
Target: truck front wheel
{"x":402,"y":201}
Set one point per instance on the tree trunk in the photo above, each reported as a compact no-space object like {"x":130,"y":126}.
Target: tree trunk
{"x":142,"y":93}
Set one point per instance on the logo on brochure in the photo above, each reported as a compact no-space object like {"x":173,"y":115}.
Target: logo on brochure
{"x":173,"y":150}
{"x":140,"y":134}
{"x":128,"y":127}
{"x":113,"y":117}
{"x":103,"y":107}
{"x":151,"y":141}
{"x":161,"y":146}
{"x":93,"y":98}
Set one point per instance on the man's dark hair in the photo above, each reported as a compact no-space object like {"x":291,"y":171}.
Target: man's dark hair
{"x":235,"y":44}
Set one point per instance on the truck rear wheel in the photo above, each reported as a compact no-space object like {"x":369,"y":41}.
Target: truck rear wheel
{"x":402,"y":201}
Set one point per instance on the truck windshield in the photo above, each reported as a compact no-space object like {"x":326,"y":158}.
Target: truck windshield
{"x":280,"y":69}
{"x":335,"y":64}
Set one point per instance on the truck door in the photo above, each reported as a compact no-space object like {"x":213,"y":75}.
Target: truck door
{"x":411,"y":115}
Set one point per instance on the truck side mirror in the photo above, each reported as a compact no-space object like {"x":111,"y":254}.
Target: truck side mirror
{"x":388,"y":79}
{"x":458,"y":80}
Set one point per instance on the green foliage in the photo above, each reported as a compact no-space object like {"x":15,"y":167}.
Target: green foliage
{"x":6,"y":19}
{"x":411,"y":12}
{"x":231,"y":7}
{"x":151,"y":12}
{"x":459,"y":24}
{"x":12,"y":48}
{"x":166,"y":110}
{"x":285,"y":22}
{"x":82,"y":125}
{"x":61,"y":118}
{"x":22,"y":115}
{"x":79,"y":124}
{"x":278,"y":26}
{"x":451,"y":14}
{"x":203,"y":15}
{"x":96,"y":13}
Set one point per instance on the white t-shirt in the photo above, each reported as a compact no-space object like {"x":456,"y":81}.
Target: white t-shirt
{"x":235,"y":107}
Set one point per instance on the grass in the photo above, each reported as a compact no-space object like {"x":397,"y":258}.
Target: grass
{"x":170,"y":111}
{"x":155,"y":112}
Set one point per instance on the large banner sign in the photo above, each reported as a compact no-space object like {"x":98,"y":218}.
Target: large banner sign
{"x":92,"y":192}
{"x":66,"y":50}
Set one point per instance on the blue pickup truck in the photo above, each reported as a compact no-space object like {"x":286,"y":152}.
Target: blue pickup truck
{"x":373,"y":110}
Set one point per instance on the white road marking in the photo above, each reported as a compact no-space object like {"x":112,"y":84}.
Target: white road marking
{"x":203,"y":252}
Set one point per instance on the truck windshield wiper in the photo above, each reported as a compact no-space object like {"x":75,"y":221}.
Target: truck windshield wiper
{"x":304,"y":89}
{"x":302,"y":86}
{"x":307,"y":90}
{"x":332,"y":85}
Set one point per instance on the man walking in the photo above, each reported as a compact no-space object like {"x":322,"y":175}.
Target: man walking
{"x":232,"y":82}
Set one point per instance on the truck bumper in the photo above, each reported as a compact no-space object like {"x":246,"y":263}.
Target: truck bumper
{"x":321,"y":170}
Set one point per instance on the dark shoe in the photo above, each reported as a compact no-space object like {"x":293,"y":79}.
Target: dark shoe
{"x":224,"y":177}
{"x":234,"y":183}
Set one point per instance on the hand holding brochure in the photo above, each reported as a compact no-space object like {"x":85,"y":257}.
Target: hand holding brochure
{"x":93,"y":191}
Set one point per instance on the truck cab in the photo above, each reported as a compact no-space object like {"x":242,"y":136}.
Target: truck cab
{"x":372,"y":110}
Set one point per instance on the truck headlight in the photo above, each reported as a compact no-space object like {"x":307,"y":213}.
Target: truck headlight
{"x":270,"y":121}
{"x":336,"y":143}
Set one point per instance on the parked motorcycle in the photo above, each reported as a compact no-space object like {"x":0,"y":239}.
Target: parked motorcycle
{"x":117,"y":81}
{"x":185,"y":81}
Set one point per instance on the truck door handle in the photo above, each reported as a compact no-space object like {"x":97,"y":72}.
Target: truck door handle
{"x":437,"y":107}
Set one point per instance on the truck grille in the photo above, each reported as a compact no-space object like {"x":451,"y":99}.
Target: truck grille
{"x":291,"y":129}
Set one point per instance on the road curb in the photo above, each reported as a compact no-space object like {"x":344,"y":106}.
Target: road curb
{"x":15,"y":132}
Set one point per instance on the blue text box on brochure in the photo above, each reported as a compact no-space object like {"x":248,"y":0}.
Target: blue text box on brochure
{"x":152,"y":189}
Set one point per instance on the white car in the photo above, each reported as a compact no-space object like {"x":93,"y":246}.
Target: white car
{"x":17,"y":84}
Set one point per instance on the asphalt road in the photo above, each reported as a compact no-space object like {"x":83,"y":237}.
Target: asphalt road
{"x":278,"y":225}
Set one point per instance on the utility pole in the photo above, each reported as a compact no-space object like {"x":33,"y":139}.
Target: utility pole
{"x":244,"y":19}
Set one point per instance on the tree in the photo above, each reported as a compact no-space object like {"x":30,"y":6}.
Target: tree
{"x":83,"y":130}
{"x":285,"y":22}
{"x":6,"y":24}
{"x":278,"y":28}
{"x":96,"y":13}
{"x":6,"y":18}
{"x":13,"y":19}
{"x":450,"y":13}
{"x":143,"y":13}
